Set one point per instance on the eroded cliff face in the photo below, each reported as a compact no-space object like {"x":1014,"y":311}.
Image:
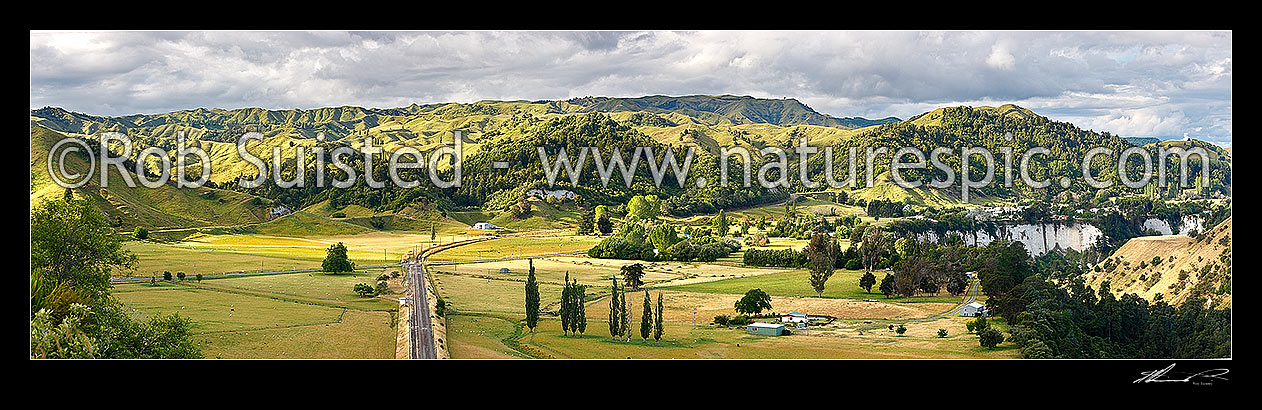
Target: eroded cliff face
{"x":1042,"y":238}
{"x":1187,"y":224}
{"x":1037,"y":238}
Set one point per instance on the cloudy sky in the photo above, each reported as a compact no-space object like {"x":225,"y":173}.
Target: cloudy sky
{"x":1165,"y":84}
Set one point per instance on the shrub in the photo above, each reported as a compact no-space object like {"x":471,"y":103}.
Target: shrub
{"x":722,"y":320}
{"x":363,"y":290}
{"x":901,"y":329}
{"x":942,"y":333}
{"x":981,"y":324}
{"x":990,"y":338}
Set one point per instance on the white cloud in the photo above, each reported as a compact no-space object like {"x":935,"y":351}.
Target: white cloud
{"x":1130,"y":83}
{"x":1000,"y":58}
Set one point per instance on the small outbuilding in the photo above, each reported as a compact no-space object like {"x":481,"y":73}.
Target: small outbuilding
{"x":768,"y":329}
{"x":973,"y":309}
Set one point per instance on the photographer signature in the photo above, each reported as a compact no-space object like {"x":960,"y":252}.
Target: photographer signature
{"x":1157,"y":376}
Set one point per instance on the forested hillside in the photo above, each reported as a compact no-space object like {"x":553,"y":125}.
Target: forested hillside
{"x":512,"y":132}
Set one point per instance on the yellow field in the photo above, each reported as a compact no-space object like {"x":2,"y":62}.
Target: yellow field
{"x":516,"y":247}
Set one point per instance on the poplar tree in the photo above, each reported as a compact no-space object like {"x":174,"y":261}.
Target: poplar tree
{"x":580,"y":311}
{"x":625,"y":314}
{"x":565,"y":306}
{"x":657,"y":325}
{"x":614,"y":317}
{"x":646,"y":318}
{"x":532,"y":300}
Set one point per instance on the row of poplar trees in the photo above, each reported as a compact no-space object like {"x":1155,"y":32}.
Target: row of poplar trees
{"x":573,"y":310}
{"x":620,"y":316}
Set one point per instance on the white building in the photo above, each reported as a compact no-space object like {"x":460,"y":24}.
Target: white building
{"x":558,"y":194}
{"x":279,"y":211}
{"x":794,"y":317}
{"x":973,"y":309}
{"x":485,"y":225}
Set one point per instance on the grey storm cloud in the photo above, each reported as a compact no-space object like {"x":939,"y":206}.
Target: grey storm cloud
{"x":1166,"y":84}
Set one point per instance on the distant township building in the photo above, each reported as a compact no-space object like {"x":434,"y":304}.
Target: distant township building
{"x":485,"y":225}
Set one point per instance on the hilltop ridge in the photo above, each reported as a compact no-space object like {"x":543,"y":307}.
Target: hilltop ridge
{"x":339,"y":122}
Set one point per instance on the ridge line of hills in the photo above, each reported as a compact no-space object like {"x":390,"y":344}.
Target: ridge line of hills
{"x":344,"y":120}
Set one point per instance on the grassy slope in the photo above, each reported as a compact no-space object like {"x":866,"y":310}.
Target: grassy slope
{"x":1179,"y":272}
{"x":162,"y":207}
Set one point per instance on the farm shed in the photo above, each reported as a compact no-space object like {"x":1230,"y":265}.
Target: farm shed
{"x":973,"y":309}
{"x":769,"y":329}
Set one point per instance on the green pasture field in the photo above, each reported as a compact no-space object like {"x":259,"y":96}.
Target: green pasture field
{"x":843,"y":284}
{"x":275,"y":316}
{"x":685,"y":341}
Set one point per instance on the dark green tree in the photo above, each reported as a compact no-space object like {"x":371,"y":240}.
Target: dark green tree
{"x":867,"y":281}
{"x":532,"y":299}
{"x":580,"y":307}
{"x":615,"y":318}
{"x":658,"y":329}
{"x":821,"y":253}
{"x":887,"y":286}
{"x":336,"y":261}
{"x":587,"y":222}
{"x":721,"y":223}
{"x":646,"y":319}
{"x":632,"y":275}
{"x":754,"y":302}
{"x":567,"y":307}
{"x":604,"y":225}
{"x":990,"y":337}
